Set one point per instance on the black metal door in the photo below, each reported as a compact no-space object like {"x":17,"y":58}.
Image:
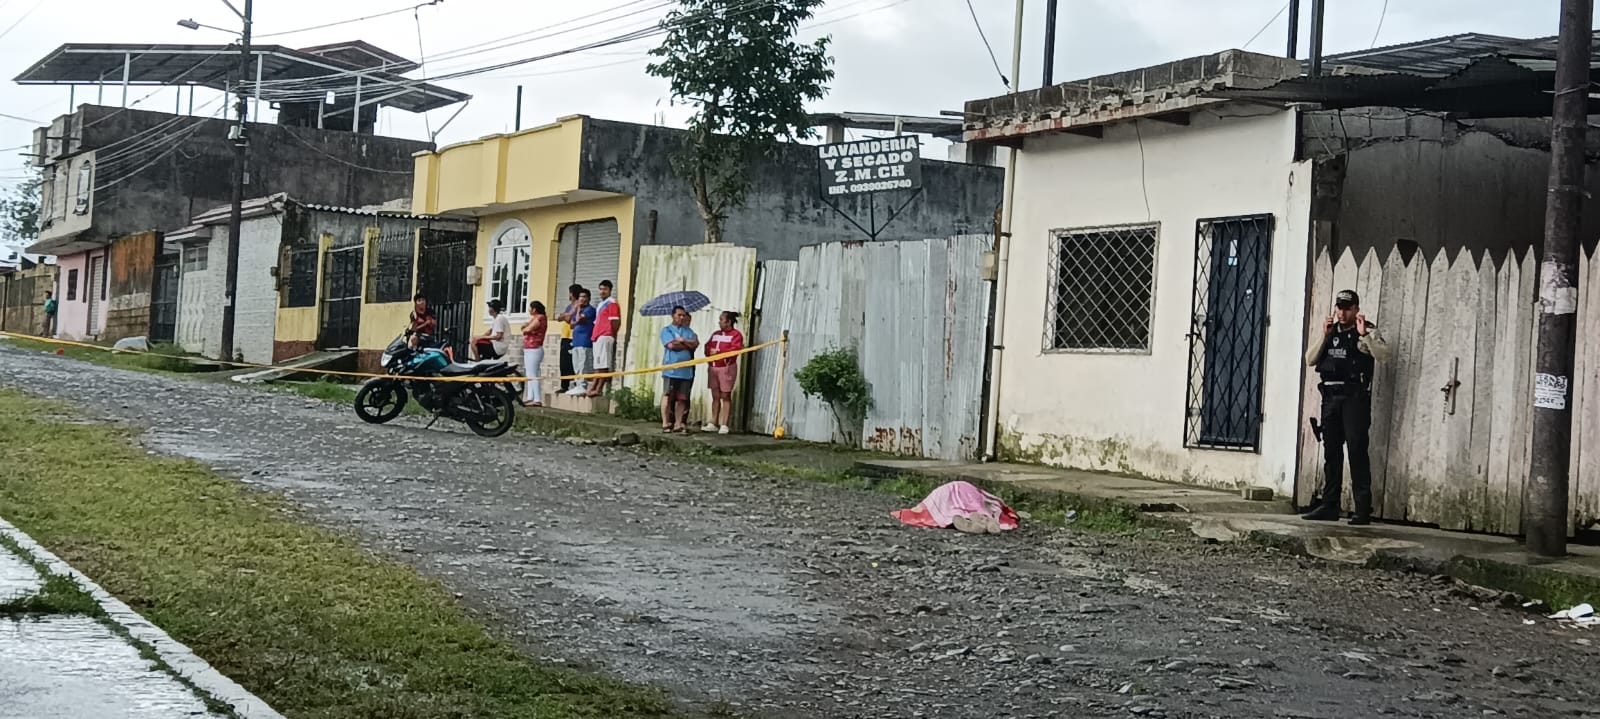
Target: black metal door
{"x":1227,"y":340}
{"x":442,"y":276}
{"x":341,"y":298}
{"x":164,"y":301}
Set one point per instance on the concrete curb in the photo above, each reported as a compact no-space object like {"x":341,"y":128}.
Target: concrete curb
{"x":177,"y":656}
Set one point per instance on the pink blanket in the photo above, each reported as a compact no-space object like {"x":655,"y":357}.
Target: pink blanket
{"x":956,"y":499}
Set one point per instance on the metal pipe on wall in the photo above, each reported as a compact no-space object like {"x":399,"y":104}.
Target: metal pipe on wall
{"x":1049,"y":43}
{"x":1294,"y":29}
{"x":1317,"y":8}
{"x":1003,"y":266}
{"x":518,"y":126}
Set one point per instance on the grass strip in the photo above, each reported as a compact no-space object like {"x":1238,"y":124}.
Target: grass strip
{"x":307,"y":620}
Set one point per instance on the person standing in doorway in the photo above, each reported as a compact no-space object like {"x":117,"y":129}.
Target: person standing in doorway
{"x":1345,"y":359}
{"x":565,"y":318}
{"x":680,"y":343}
{"x":607,"y":321}
{"x":582,"y":343}
{"x":533,"y":353}
{"x":50,"y":306}
{"x":723,"y":373}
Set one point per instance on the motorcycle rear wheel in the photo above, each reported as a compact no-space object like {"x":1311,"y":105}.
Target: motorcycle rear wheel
{"x":505,"y":413}
{"x":380,"y":400}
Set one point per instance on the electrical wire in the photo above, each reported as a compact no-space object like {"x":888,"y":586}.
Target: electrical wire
{"x":1381,"y":15}
{"x":396,"y":11}
{"x":1251,"y":41}
{"x":25,"y":15}
{"x":422,"y":62}
{"x":976,"y":23}
{"x":343,"y":161}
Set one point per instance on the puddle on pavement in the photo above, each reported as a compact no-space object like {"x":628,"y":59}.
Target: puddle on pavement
{"x":74,"y":667}
{"x":17,"y":578}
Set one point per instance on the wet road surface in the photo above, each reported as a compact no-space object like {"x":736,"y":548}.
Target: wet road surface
{"x":776,"y":598}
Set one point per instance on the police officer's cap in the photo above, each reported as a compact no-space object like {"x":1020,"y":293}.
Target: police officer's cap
{"x":1346,"y":298}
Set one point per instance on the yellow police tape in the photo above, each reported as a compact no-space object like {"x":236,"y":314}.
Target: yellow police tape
{"x":370,"y":375}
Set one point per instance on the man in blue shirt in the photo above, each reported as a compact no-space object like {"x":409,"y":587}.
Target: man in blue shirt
{"x":582,"y":342}
{"x":680,"y":343}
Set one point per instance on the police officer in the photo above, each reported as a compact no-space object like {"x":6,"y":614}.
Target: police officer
{"x":1345,"y":358}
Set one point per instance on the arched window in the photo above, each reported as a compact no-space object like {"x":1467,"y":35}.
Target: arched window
{"x":508,"y":262}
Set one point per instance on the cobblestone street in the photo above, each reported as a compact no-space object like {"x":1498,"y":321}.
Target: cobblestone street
{"x":774,"y":597}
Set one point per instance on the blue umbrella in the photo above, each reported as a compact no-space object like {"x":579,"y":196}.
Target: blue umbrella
{"x":662,"y":305}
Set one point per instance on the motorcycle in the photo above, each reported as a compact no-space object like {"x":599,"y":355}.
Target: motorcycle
{"x":487,"y":408}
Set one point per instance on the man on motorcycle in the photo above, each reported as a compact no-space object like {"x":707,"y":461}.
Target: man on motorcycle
{"x":423,"y":321}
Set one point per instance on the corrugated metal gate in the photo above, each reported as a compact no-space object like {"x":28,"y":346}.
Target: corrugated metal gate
{"x":589,"y":252}
{"x":917,"y":312}
{"x":773,"y":311}
{"x":97,"y":290}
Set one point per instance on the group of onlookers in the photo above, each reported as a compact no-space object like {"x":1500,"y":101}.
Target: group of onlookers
{"x":589,"y":344}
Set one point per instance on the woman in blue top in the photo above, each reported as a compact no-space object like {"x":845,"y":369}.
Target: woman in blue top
{"x":680,"y":343}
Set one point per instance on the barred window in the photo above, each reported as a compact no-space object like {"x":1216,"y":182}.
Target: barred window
{"x":1102,"y":287}
{"x":393,"y":256}
{"x":72,"y":285}
{"x":302,"y":280}
{"x":509,"y":263}
{"x":196,"y":257}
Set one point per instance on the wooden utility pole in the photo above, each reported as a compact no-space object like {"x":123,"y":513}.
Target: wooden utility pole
{"x":1544,"y":505}
{"x":1049,"y":43}
{"x":241,"y":144}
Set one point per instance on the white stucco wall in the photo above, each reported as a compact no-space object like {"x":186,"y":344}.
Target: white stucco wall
{"x":1125,"y":412}
{"x":256,"y":318}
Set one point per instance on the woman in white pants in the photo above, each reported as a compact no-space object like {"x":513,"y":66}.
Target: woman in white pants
{"x":533,"y":353}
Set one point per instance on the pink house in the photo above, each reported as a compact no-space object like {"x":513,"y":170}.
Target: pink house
{"x":81,"y":295}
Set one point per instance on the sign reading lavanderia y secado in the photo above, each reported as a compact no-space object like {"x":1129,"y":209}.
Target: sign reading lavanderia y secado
{"x":863,"y":166}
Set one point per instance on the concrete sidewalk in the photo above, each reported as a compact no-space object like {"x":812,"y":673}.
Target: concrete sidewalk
{"x":69,"y":650}
{"x":1485,"y":560}
{"x":1489,"y":561}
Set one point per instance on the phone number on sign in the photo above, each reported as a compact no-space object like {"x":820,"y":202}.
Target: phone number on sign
{"x":871,"y":187}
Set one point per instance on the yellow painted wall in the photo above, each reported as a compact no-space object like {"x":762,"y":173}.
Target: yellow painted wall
{"x":382,"y":322}
{"x":301,"y":324}
{"x":544,"y":226}
{"x":538,"y":163}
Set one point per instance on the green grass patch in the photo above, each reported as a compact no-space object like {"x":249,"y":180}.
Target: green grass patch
{"x":59,"y":595}
{"x":304,"y":618}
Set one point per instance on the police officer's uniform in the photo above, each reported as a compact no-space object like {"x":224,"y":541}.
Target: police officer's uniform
{"x":1345,"y":361}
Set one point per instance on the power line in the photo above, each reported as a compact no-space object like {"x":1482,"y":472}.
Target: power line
{"x":976,"y":23}
{"x":343,"y":161}
{"x":396,"y":11}
{"x":25,"y":15}
{"x":422,"y":61}
{"x":1381,"y":15}
{"x":1263,"y":29}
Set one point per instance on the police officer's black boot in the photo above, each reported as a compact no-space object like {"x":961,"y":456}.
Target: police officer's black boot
{"x":1328,"y":511}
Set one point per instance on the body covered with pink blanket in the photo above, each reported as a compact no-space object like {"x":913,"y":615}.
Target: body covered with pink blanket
{"x":956,"y":499}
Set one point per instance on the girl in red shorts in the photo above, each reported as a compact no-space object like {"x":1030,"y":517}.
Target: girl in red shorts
{"x":723,"y":373}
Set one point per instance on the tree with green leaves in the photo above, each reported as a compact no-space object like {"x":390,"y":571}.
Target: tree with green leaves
{"x":19,"y":210}
{"x":738,"y":63}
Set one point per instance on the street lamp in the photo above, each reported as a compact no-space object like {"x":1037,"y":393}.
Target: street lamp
{"x":241,"y":142}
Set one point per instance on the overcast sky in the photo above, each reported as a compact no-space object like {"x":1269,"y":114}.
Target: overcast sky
{"x":893,"y":56}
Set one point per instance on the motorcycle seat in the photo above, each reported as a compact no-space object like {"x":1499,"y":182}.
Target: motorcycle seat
{"x":458,"y":370}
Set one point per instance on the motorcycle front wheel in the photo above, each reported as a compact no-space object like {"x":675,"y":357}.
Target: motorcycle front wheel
{"x":380,"y":400}
{"x":498,"y":412}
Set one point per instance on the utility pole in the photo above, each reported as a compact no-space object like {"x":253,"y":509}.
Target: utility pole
{"x":241,"y":143}
{"x":1050,"y":42}
{"x":1544,"y":505}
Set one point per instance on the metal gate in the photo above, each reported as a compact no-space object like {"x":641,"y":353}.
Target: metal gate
{"x":164,"y":301}
{"x":442,"y":276}
{"x":341,"y":298}
{"x":1227,"y":335}
{"x":96,"y":291}
{"x":589,"y":252}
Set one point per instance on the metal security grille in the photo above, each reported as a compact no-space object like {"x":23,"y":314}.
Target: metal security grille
{"x":341,"y":299}
{"x":1227,"y":335}
{"x":1102,"y":284}
{"x":302,"y":281}
{"x":389,"y":272}
{"x":164,"y":301}
{"x":442,"y":276}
